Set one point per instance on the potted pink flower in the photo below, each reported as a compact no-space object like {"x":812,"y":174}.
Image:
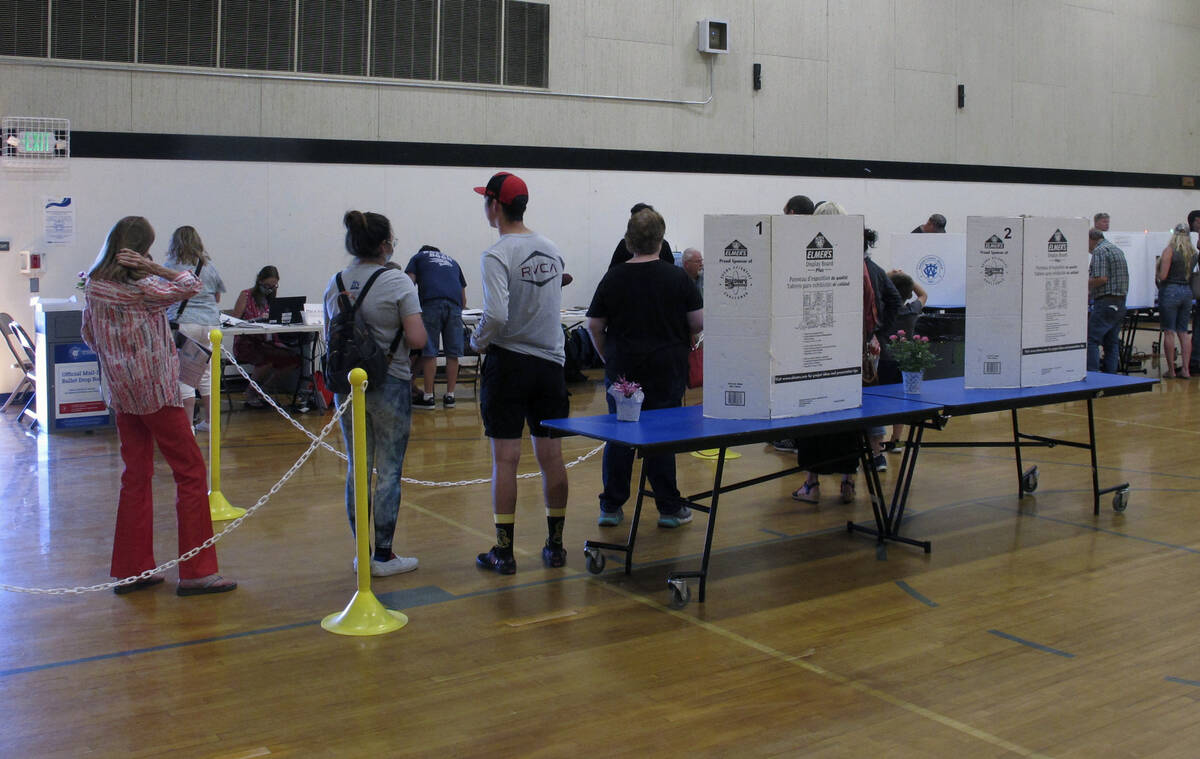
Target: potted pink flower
{"x":914,"y":356}
{"x":628,"y":396}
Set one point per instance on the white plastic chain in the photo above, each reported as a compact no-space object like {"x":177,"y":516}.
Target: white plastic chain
{"x":407,"y":480}
{"x":233,"y":525}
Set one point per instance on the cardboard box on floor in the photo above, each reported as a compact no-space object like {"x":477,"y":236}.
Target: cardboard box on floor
{"x":782,"y":315}
{"x":1026,"y":301}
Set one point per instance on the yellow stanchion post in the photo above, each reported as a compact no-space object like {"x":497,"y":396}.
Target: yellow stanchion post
{"x":365,"y":615}
{"x":712,"y":454}
{"x":220,"y":508}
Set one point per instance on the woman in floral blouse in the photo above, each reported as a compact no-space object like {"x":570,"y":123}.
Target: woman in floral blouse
{"x":125,"y":323}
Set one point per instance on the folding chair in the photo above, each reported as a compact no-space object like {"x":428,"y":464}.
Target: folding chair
{"x":22,"y":348}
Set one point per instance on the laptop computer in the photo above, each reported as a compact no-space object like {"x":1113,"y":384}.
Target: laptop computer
{"x":287,"y":310}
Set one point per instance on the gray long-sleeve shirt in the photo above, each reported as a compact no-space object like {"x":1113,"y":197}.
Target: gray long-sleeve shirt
{"x":522,"y":297}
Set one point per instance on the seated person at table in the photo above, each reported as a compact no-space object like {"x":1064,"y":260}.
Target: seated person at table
{"x":269,"y":356}
{"x":642,"y":319}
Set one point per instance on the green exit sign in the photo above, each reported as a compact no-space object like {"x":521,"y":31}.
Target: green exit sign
{"x":36,"y":142}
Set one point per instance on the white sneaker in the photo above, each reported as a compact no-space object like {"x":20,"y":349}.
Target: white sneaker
{"x":397,"y":565}
{"x":201,"y":427}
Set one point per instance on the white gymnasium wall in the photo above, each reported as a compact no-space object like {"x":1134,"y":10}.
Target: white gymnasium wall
{"x":289,"y":215}
{"x":1090,"y":84}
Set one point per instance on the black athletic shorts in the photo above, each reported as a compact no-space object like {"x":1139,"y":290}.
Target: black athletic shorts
{"x":516,"y":388}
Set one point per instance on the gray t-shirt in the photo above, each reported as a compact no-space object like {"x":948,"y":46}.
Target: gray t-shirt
{"x":391,"y":298}
{"x":201,"y":307}
{"x":522,"y":297}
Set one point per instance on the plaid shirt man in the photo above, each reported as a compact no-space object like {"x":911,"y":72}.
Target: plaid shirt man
{"x":1109,"y":261}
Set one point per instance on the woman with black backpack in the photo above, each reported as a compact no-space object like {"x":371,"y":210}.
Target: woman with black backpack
{"x":370,"y":300}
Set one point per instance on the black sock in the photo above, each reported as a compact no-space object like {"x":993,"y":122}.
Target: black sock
{"x":554,"y":527}
{"x":505,"y":524}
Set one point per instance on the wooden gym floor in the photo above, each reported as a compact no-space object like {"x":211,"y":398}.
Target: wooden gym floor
{"x":1033,"y":629}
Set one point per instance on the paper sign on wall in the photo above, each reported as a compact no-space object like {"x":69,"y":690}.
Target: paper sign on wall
{"x":58,"y":220}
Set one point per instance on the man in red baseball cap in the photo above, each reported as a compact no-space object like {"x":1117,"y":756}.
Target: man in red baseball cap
{"x":522,"y":378}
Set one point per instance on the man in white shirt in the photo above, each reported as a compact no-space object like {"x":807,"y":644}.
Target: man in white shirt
{"x":522,"y":380}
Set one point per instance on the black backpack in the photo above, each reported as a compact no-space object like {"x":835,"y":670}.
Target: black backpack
{"x":351,"y":345}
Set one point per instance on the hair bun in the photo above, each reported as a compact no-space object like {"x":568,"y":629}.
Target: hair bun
{"x":354,"y":219}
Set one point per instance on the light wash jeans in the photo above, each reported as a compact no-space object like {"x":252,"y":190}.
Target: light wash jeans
{"x":389,"y":419}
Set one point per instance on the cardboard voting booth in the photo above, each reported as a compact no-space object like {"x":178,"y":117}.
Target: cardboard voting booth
{"x":1026,"y":301}
{"x":782,"y":315}
{"x":1140,"y":262}
{"x":937,"y":262}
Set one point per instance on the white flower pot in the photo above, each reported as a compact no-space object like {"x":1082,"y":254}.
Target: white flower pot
{"x":912,"y":381}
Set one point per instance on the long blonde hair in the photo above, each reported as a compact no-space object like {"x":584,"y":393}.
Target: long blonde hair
{"x":133,"y":232}
{"x":186,"y":247}
{"x":1181,"y":243}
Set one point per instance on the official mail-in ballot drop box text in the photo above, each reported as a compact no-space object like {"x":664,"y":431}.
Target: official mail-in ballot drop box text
{"x":782,"y":315}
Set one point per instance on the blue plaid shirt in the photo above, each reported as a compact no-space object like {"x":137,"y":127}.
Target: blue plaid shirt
{"x":1109,"y":261}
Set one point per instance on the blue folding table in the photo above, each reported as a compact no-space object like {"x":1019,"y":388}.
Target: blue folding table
{"x":953,"y":399}
{"x":680,"y":430}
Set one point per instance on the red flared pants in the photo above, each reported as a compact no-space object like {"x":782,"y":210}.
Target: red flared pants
{"x":133,"y":544}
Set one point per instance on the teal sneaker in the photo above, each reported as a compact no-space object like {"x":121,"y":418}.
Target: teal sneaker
{"x":610,"y":518}
{"x":671,"y":521}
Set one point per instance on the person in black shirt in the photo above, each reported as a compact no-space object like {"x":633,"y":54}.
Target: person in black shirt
{"x":622,"y":255}
{"x":642,"y":319}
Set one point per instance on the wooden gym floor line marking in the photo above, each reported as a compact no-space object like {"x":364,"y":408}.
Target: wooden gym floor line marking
{"x":1125,"y":421}
{"x":816,"y":669}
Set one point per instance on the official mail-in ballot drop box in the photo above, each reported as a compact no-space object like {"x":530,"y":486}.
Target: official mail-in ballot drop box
{"x":782,"y":315}
{"x":68,"y":371}
{"x":1026,"y":301}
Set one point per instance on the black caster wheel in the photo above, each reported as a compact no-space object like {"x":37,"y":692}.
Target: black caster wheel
{"x":595,"y":560}
{"x":681,"y":594}
{"x":1120,"y":500}
{"x":1029,"y":480}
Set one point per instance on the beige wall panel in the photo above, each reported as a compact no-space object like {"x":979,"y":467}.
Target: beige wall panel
{"x":791,"y":28}
{"x":1089,"y":64}
{"x":179,"y":104}
{"x":1170,"y":11}
{"x":309,"y":109}
{"x":1177,"y":63}
{"x":924,"y":125}
{"x":1134,"y":65}
{"x":861,"y":79}
{"x":92,"y":100}
{"x":1089,"y":88}
{"x":1138,"y":135}
{"x":1038,"y":41}
{"x":633,"y":20}
{"x":638,"y":69}
{"x":925,"y":35}
{"x":530,"y":120}
{"x":1039,"y":136}
{"x":725,"y":125}
{"x":427,"y":115}
{"x":1091,"y":142}
{"x":1099,"y":5}
{"x":790,"y":111}
{"x":986,"y":67}
{"x":634,"y":126}
{"x":568,"y":33}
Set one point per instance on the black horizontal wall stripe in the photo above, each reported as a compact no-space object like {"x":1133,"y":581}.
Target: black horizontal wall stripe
{"x":133,"y":145}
